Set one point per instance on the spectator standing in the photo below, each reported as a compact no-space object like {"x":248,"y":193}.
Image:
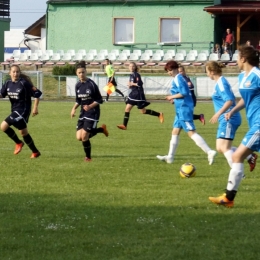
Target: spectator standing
{"x":228,"y":37}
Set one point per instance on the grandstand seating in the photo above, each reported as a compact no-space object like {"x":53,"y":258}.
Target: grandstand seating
{"x":121,"y":59}
{"x":93,"y":51}
{"x":71,"y":52}
{"x":82,"y":52}
{"x":111,"y":56}
{"x":127,"y":52}
{"x":28,"y":52}
{"x":138,"y":52}
{"x":150,"y":52}
{"x":16,"y":54}
{"x":213,"y":57}
{"x":195,"y":52}
{"x":61,"y":52}
{"x":33,"y":58}
{"x":190,"y":57}
{"x":65,"y":59}
{"x":179,"y":56}
{"x":89,"y":57}
{"x":172,"y":52}
{"x":140,"y":57}
{"x":225,"y":57}
{"x":115,"y":51}
{"x":105,"y":52}
{"x":161,"y":52}
{"x":22,"y":58}
{"x":205,"y":51}
{"x":133,"y":57}
{"x":183,"y":52}
{"x":98,"y":59}
{"x":156,"y":58}
{"x":54,"y":59}
{"x":38,"y":52}
{"x":49,"y":52}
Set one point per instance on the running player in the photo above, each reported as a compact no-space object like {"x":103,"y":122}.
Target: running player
{"x":194,"y":98}
{"x":182,"y":99}
{"x":224,"y":101}
{"x":137,"y":97}
{"x":249,"y":88}
{"x":111,"y":78}
{"x":20,"y":90}
{"x":88,"y":98}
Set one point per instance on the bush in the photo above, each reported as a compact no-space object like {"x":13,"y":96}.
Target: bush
{"x":64,"y":70}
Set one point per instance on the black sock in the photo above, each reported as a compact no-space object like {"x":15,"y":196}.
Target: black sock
{"x":151,"y":112}
{"x":107,"y":97}
{"x":119,"y":92}
{"x":231,"y":194}
{"x":195,"y":117}
{"x":126,"y":118}
{"x":87,"y":148}
{"x":29,"y":141}
{"x":11,"y":134}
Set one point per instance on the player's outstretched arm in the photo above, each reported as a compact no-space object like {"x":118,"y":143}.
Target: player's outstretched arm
{"x":35,"y":107}
{"x":73,"y":110}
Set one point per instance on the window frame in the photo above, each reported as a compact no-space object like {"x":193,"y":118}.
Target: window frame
{"x":114,"y":30}
{"x":160,"y":28}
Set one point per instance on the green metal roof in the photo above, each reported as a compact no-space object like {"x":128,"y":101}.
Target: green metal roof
{"x":132,"y":1}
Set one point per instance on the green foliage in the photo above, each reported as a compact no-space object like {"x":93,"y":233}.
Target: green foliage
{"x":125,"y":204}
{"x":67,"y":69}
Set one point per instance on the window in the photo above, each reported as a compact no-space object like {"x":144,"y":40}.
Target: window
{"x":169,"y":30}
{"x":123,"y":30}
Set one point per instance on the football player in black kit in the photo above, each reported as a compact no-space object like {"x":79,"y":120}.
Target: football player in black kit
{"x":137,"y":97}
{"x":88,"y":97}
{"x":20,"y":90}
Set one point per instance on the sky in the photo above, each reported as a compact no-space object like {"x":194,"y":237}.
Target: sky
{"x":24,"y":13}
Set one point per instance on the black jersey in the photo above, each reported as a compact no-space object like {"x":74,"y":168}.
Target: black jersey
{"x":87,"y":93}
{"x":137,"y":92}
{"x":20,"y":94}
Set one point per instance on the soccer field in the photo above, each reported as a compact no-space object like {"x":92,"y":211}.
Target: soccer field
{"x":125,"y":204}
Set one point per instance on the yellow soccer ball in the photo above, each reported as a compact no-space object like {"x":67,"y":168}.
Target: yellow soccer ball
{"x":187,"y":170}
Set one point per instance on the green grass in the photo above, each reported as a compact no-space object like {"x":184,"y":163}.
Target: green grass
{"x":125,"y":204}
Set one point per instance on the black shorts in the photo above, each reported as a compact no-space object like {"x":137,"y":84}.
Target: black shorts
{"x":113,"y":81}
{"x":18,"y":121}
{"x":87,"y":125}
{"x":140,"y":104}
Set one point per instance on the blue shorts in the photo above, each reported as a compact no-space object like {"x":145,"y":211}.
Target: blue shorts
{"x":227,"y":130}
{"x":185,"y":125}
{"x":252,"y":138}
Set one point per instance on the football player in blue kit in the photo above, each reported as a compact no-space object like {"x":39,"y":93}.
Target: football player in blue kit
{"x":224,"y":101}
{"x":249,"y":88}
{"x":182,"y":71}
{"x":88,"y":97}
{"x":183,"y":102}
{"x":137,"y":98}
{"x":20,"y":90}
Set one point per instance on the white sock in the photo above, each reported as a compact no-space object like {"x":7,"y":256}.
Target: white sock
{"x":173,"y":146}
{"x":228,"y":155}
{"x":235,"y":176}
{"x":200,"y":142}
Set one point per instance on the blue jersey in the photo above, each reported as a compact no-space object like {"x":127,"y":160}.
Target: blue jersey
{"x":249,"y":88}
{"x":223,"y":93}
{"x":183,"y":106}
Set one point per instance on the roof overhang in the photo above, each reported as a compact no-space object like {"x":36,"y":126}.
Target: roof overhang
{"x":35,"y":28}
{"x":234,"y":8}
